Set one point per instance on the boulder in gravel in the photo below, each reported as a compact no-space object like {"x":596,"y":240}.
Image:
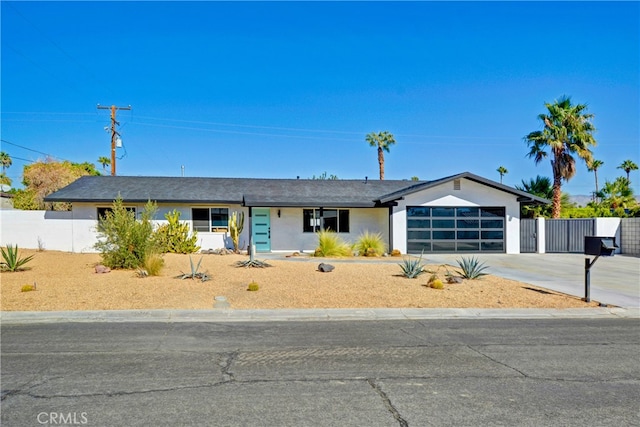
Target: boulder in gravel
{"x":325,"y":268}
{"x":100,"y":269}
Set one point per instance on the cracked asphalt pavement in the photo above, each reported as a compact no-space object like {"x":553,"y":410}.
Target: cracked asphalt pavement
{"x":525,"y":372}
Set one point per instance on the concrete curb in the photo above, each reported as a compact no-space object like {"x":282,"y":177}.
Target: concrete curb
{"x":231,"y":315}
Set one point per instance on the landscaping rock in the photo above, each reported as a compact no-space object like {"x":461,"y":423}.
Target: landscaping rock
{"x":219,"y":251}
{"x":100,"y":269}
{"x":325,"y":268}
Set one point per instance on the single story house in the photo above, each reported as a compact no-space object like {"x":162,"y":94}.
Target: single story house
{"x":460,"y":213}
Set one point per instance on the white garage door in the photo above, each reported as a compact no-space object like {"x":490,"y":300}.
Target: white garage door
{"x":455,"y":229}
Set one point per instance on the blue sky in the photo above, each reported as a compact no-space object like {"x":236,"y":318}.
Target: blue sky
{"x":279,"y":90}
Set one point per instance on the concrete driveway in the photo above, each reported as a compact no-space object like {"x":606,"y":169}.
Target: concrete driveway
{"x":614,"y":280}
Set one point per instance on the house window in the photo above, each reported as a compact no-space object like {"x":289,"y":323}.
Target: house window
{"x":210,"y":219}
{"x":102,"y":212}
{"x":331,"y":220}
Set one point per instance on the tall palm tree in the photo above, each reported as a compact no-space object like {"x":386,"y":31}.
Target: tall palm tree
{"x":628,"y":166}
{"x":104,"y":161}
{"x":593,"y":167}
{"x":567,"y":131}
{"x":6,"y":162}
{"x":382,"y":140}
{"x":502,"y":171}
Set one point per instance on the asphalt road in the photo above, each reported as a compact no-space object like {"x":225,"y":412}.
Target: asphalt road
{"x":514,"y":372}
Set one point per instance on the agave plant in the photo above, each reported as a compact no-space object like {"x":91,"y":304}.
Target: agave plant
{"x":11,"y":261}
{"x":195,"y":274}
{"x":412,"y":268}
{"x":471,"y":268}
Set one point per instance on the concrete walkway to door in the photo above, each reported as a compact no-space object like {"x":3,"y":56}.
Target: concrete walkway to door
{"x":614,"y":280}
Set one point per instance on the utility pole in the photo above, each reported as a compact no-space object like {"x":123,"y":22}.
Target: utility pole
{"x":114,"y":133}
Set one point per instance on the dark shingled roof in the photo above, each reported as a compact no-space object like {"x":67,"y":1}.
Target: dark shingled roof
{"x":248,"y":191}
{"x":253,"y":191}
{"x":523,"y":196}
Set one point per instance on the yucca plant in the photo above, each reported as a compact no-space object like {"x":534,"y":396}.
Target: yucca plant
{"x":11,"y":259}
{"x":330,"y":244}
{"x":471,"y":268}
{"x":252,"y":261}
{"x":412,"y":268}
{"x":370,"y":244}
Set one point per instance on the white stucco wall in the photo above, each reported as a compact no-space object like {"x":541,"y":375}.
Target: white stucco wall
{"x":37,"y":229}
{"x":76,"y":231}
{"x":287,"y":234}
{"x":470,"y":194}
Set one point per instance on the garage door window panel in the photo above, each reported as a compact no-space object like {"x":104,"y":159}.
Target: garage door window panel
{"x":455,"y":229}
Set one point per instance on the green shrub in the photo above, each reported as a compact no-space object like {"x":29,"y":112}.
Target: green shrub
{"x":412,"y":268}
{"x":253,"y":286}
{"x":124,"y":241}
{"x":11,"y":261}
{"x":370,"y":244}
{"x":471,"y":268}
{"x":175,"y":237}
{"x":330,"y":244}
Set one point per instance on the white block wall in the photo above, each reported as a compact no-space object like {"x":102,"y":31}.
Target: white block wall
{"x":630,"y":236}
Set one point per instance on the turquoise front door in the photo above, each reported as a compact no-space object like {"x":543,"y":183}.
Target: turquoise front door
{"x":261,"y":229}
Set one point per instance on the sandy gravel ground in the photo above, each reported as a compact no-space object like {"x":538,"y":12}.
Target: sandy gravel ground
{"x":66,"y":281}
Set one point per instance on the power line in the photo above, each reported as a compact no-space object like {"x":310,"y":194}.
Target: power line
{"x":20,"y":158}
{"x":30,"y":149}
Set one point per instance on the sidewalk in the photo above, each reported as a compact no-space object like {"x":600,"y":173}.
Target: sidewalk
{"x":230,"y":315}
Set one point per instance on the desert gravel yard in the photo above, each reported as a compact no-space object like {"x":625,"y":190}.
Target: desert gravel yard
{"x":68,"y":281}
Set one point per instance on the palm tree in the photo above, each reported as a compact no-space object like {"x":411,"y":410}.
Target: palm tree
{"x":593,"y":167}
{"x":382,"y":140}
{"x":628,"y":166}
{"x":617,"y":194}
{"x":502,"y":171}
{"x":541,"y":186}
{"x":567,"y":131}
{"x":104,"y":161}
{"x":6,"y":162}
